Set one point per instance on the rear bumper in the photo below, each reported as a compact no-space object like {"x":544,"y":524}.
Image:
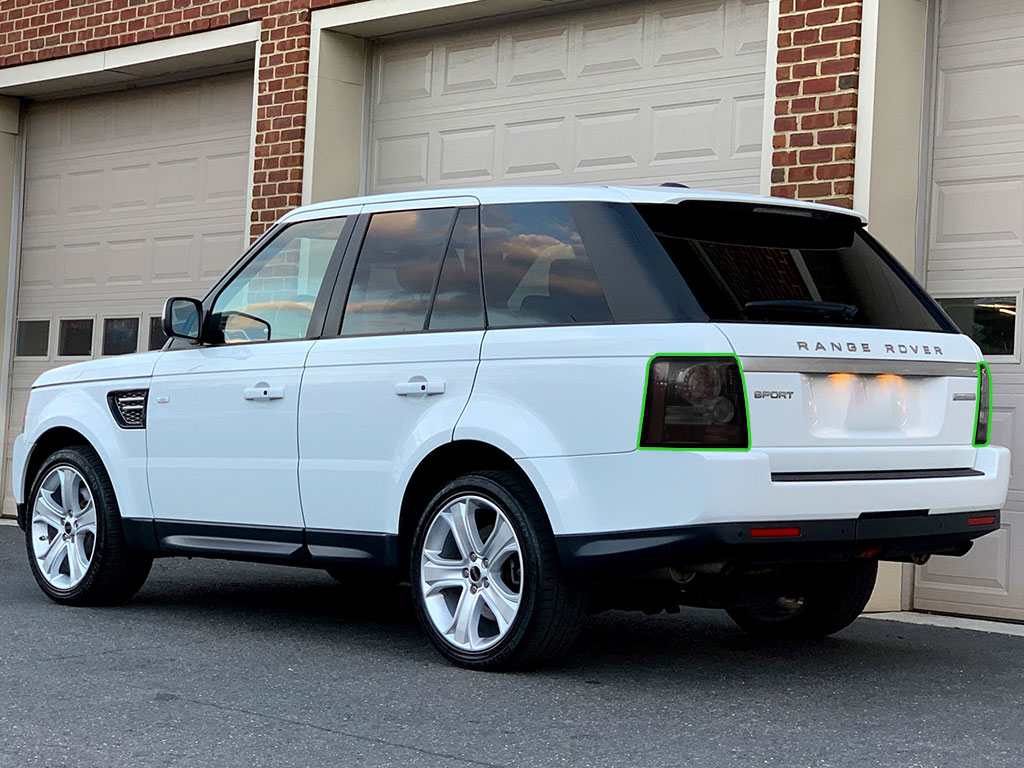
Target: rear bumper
{"x":887,"y":535}
{"x":645,"y":490}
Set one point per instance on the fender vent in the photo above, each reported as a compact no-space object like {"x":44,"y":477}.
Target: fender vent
{"x":129,"y":408}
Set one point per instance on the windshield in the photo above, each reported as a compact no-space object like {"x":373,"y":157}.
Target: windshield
{"x":749,"y":263}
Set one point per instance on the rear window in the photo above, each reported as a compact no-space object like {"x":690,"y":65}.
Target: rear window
{"x":769,"y":264}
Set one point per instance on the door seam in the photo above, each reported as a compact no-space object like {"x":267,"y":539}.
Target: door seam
{"x":472,"y":388}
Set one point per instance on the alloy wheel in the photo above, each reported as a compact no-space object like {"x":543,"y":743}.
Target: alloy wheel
{"x":63,"y":527}
{"x":471,"y":573}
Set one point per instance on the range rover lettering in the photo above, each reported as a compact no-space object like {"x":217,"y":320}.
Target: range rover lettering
{"x":532,"y":403}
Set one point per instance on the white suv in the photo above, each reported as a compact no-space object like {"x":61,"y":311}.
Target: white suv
{"x":532,"y":402}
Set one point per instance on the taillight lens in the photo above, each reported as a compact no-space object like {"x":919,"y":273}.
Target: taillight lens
{"x":982,"y":426}
{"x":694,"y":402}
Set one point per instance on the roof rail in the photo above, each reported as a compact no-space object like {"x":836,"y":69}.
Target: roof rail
{"x":673,"y":184}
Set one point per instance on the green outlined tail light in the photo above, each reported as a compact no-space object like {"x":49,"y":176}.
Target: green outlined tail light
{"x":694,"y":402}
{"x":983,"y":425}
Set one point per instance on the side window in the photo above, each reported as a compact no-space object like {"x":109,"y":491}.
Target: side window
{"x":396,"y":271}
{"x":536,"y":269}
{"x":272,"y":298}
{"x":458,"y":303}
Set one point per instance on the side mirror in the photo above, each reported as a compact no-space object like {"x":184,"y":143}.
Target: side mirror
{"x":182,"y":318}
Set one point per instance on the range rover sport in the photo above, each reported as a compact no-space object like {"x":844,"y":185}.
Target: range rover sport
{"x":532,"y":403}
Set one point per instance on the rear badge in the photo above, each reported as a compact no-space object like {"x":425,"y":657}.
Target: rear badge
{"x":958,"y":396}
{"x":772,"y":394}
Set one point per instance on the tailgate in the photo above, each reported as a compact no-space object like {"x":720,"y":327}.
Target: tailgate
{"x":829,"y":388}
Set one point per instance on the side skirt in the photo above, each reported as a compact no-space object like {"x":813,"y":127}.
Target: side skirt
{"x":263,"y":544}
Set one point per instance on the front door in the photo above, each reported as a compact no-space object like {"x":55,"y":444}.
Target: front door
{"x":222,"y":415}
{"x":393,"y":383}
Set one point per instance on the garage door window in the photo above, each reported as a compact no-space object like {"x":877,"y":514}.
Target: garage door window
{"x":536,"y":268}
{"x":120,"y":335}
{"x":33,"y":339}
{"x":990,"y":321}
{"x":273,"y":297}
{"x":75,"y":338}
{"x":157,"y":339}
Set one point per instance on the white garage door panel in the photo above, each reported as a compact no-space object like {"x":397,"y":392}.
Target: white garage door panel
{"x":975,"y":247}
{"x":129,"y":197}
{"x":633,"y":92}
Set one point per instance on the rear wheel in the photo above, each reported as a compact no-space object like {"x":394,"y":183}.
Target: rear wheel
{"x":487,"y":582}
{"x":833,"y":597}
{"x":75,"y":540}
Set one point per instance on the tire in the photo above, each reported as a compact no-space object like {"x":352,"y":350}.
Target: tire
{"x":105,"y":570}
{"x":835,"y":597}
{"x":549,"y":606}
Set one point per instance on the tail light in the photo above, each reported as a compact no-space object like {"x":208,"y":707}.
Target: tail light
{"x":982,"y":426}
{"x":694,"y":402}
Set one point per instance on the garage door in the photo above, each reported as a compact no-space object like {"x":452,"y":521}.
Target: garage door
{"x":129,"y":197}
{"x":633,"y":92}
{"x":975,"y":265}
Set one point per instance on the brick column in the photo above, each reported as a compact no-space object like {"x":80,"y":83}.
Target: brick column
{"x":283,"y":71}
{"x":816,"y":100}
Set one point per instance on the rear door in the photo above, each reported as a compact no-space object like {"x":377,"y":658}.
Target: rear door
{"x":407,"y":322}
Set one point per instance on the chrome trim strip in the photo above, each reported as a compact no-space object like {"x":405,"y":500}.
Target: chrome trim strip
{"x":857,"y":365}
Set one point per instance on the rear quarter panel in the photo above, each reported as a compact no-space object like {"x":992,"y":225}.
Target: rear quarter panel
{"x":571,"y":391}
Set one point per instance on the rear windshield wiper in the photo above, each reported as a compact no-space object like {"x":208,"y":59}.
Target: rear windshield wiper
{"x":802,"y":308}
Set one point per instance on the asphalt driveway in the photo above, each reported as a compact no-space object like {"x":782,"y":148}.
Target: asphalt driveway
{"x":229,"y":664}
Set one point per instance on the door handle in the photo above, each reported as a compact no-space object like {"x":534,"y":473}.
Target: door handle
{"x":263,"y":392}
{"x":419,"y":388}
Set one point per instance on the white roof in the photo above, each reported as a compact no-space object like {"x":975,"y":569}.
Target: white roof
{"x":562,"y":193}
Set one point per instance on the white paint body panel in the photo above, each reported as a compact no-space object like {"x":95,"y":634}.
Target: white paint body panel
{"x":83,"y":407}
{"x":847,"y":411}
{"x":570,"y":391}
{"x":216,"y":456}
{"x":663,"y":489}
{"x":359,"y":440}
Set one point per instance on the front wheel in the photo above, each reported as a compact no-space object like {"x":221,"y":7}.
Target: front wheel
{"x":833,"y":597}
{"x":74,"y":535}
{"x":487,"y":582}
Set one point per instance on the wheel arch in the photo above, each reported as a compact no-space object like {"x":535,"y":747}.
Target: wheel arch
{"x":440,"y":467}
{"x":50,"y":441}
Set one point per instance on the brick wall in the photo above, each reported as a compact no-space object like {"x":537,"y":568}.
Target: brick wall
{"x":32,"y":31}
{"x":280,"y":113}
{"x":816,"y":100}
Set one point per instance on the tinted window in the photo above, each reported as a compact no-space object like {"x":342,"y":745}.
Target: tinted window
{"x":397,"y":268}
{"x":458,"y":303}
{"x":536,"y":268}
{"x":756,"y":264}
{"x":273,"y":297}
{"x":33,"y":338}
{"x":991,"y":322}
